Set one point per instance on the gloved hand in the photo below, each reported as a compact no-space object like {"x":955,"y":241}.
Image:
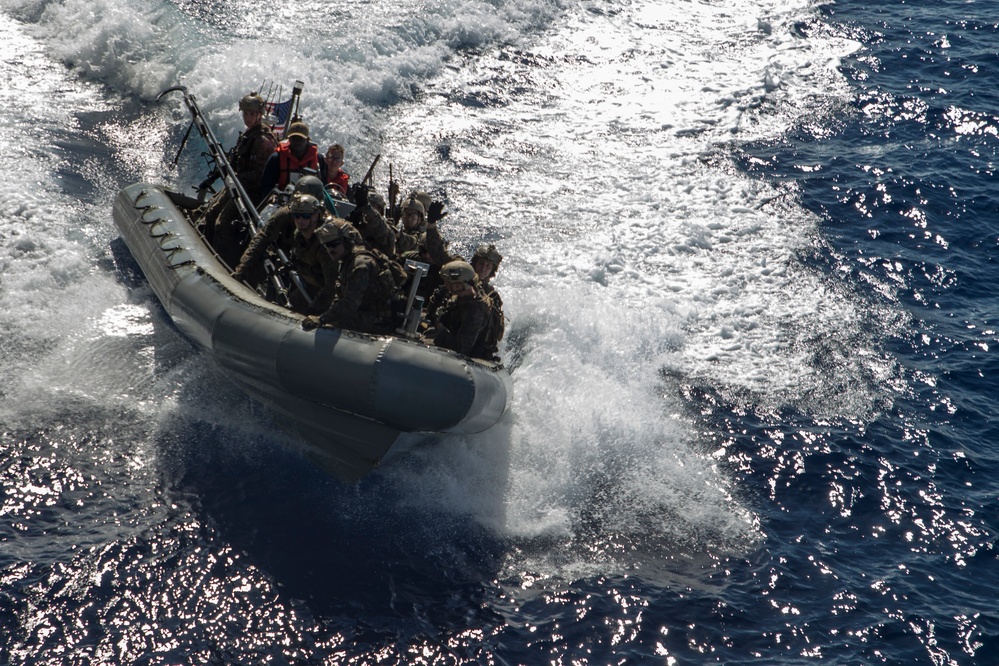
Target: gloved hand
{"x":310,"y":323}
{"x":436,"y":212}
{"x":357,"y":215}
{"x":359,"y":195}
{"x":238,"y":274}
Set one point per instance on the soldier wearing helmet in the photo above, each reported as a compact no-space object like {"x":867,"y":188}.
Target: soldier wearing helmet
{"x":485,"y":261}
{"x":223,"y":227}
{"x":367,"y":285}
{"x":414,"y":223}
{"x":462,"y":321}
{"x":253,"y":147}
{"x":369,"y":220}
{"x":292,"y":229}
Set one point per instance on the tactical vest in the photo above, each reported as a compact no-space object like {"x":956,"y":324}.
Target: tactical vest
{"x":242,"y":158}
{"x":387,"y":283}
{"x":486,"y":345}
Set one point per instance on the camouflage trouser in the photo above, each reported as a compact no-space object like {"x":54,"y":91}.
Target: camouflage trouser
{"x":224,"y":229}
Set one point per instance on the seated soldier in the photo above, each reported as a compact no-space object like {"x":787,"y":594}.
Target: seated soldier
{"x":486,"y":261}
{"x":292,"y":231}
{"x":369,"y":220}
{"x":414,"y":223}
{"x":294,"y":157}
{"x":368,"y":283}
{"x":463,"y":320}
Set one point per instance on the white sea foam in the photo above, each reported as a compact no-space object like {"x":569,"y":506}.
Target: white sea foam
{"x":634,"y":246}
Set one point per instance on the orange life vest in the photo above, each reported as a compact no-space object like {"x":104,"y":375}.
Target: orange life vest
{"x":289,"y":163}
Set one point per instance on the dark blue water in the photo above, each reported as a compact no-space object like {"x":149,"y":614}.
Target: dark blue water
{"x":877,"y":528}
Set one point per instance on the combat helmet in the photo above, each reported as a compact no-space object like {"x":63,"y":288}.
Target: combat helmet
{"x":312,"y":186}
{"x":489,"y":253}
{"x":338,"y":230}
{"x":458,"y":271}
{"x":252,"y":102}
{"x":376,"y":200}
{"x":422,"y":197}
{"x":414,"y":205}
{"x":302,"y":204}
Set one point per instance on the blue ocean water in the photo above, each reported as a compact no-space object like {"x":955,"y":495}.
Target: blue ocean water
{"x":753,"y":330}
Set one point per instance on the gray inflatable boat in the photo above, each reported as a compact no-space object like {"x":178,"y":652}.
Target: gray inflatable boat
{"x":347,"y":395}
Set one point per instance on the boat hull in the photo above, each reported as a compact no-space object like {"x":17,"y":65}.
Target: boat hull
{"x":348,"y":394}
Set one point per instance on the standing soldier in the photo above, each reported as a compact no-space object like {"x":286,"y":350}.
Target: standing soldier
{"x":223,"y":228}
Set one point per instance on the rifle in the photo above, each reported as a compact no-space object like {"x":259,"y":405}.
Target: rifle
{"x":244,"y":205}
{"x":393,"y":190}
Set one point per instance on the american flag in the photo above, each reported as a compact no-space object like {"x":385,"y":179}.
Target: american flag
{"x":279,"y":114}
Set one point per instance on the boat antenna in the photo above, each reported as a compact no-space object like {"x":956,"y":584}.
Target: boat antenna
{"x":296,"y":95}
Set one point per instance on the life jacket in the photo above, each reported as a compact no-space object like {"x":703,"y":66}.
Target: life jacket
{"x":289,"y":164}
{"x":340,"y":180}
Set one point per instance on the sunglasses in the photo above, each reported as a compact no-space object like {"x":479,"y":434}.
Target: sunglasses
{"x":303,"y":216}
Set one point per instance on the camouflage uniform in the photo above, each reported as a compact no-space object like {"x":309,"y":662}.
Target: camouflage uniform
{"x":223,"y":226}
{"x":307,"y":257}
{"x":279,"y":230}
{"x":253,"y":148}
{"x":376,"y":232}
{"x":363,"y":298}
{"x":463,"y":325}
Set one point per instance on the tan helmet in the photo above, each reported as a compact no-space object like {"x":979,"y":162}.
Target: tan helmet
{"x":422,"y":197}
{"x":311,"y":185}
{"x":458,"y":271}
{"x":298,"y":128}
{"x":413,"y":205}
{"x":376,"y":199}
{"x":338,"y":230}
{"x":305,"y":204}
{"x":489,"y":253}
{"x":252,"y":102}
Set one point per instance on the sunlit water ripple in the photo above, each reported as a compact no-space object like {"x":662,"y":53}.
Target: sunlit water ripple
{"x":749,"y":274}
